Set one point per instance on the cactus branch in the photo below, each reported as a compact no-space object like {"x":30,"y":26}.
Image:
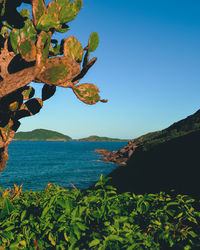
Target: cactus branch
{"x":27,"y":55}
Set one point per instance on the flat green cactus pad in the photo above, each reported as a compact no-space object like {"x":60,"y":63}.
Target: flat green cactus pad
{"x":16,"y":35}
{"x":69,"y":10}
{"x":59,"y":70}
{"x":73,"y":49}
{"x":27,"y":49}
{"x":48,"y":21}
{"x":93,"y":41}
{"x":42,"y":47}
{"x":38,"y":9}
{"x":25,"y":13}
{"x":87,"y":93}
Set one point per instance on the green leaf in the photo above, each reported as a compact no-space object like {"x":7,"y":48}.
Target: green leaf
{"x":10,"y":228}
{"x":93,"y":41}
{"x":81,"y":226}
{"x":7,"y":208}
{"x":95,"y":242}
{"x":115,"y":238}
{"x":51,"y":239}
{"x":77,"y":231}
{"x":193,"y":234}
{"x":23,"y":215}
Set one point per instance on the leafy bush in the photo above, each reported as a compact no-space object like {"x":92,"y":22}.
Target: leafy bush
{"x":99,"y":218}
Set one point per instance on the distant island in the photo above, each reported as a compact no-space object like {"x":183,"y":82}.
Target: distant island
{"x":41,"y":135}
{"x":49,"y":135}
{"x":98,"y":138}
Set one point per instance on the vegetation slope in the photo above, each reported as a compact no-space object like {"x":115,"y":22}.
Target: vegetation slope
{"x":164,"y":160}
{"x":40,"y":134}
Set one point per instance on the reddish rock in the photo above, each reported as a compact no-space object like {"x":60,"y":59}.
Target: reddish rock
{"x":120,"y":156}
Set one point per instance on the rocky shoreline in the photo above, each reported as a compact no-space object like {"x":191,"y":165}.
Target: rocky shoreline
{"x":120,"y":156}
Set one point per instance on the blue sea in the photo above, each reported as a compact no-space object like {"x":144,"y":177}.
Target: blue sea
{"x":37,"y":163}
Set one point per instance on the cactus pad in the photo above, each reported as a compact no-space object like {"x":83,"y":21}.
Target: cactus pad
{"x":42,"y":47}
{"x":73,"y":49}
{"x":47,"y":21}
{"x":38,"y":9}
{"x":25,"y":13}
{"x":29,"y":108}
{"x":93,"y":41}
{"x":87,"y":93}
{"x":27,"y":49}
{"x":16,"y":35}
{"x":4,"y":32}
{"x":48,"y":91}
{"x":59,"y":70}
{"x":14,"y":106}
{"x":69,"y":10}
{"x":62,"y":28}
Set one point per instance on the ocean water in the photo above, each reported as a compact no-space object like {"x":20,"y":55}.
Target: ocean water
{"x":37,"y":163}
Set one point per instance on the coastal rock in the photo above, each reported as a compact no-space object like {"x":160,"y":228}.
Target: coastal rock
{"x":120,"y":156}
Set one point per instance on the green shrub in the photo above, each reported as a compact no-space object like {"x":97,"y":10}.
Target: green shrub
{"x":99,"y":218}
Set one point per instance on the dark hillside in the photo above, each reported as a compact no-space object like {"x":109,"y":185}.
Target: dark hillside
{"x":173,"y":164}
{"x":182,"y":127}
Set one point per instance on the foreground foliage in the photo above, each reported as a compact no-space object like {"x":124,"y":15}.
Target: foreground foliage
{"x":99,"y":218}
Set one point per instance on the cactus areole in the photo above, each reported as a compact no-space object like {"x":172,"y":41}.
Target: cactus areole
{"x":28,"y":54}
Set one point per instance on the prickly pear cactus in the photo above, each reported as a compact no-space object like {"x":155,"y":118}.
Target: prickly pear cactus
{"x":28,"y":54}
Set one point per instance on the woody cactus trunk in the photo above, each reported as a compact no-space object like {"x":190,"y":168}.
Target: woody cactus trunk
{"x":29,"y":54}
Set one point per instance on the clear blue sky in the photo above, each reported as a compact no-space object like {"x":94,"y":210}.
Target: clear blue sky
{"x":148,"y":68}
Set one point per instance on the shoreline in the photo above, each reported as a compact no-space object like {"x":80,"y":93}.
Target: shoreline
{"x":64,"y":140}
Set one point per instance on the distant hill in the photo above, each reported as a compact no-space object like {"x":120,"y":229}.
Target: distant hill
{"x":98,"y":138}
{"x":41,"y":134}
